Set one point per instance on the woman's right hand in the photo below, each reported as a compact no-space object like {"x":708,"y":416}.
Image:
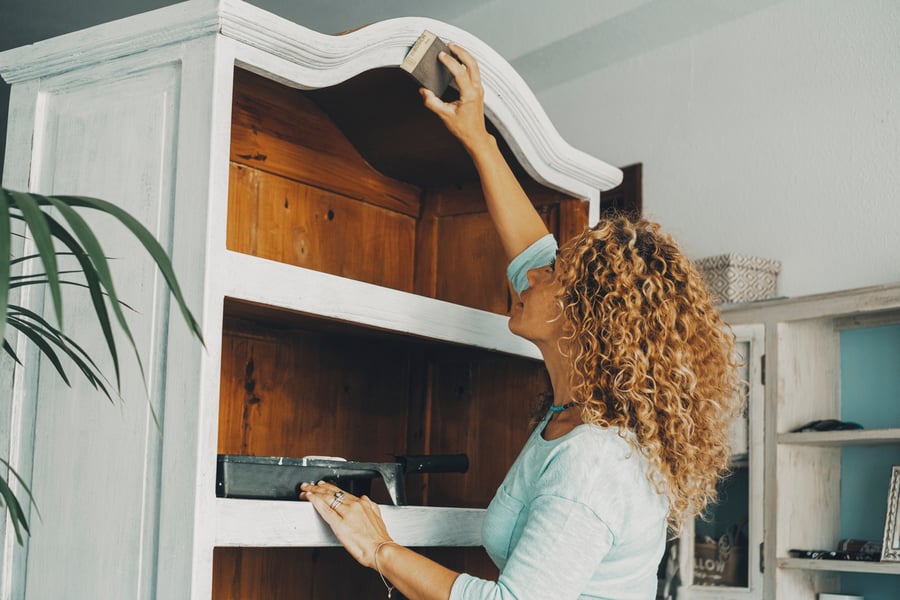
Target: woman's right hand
{"x":464,"y":118}
{"x":518,"y":223}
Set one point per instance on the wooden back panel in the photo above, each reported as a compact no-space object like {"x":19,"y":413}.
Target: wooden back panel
{"x":285,"y":220}
{"x":301,"y":193}
{"x":459,"y":255}
{"x":287,"y":391}
{"x":481,"y":405}
{"x":292,"y":392}
{"x":279,"y":130}
{"x":319,"y":573}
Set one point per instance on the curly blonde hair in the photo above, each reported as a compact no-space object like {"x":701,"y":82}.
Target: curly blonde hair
{"x":651,"y":355}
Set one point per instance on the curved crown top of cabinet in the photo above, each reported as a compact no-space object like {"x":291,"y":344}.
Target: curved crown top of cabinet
{"x":332,"y":61}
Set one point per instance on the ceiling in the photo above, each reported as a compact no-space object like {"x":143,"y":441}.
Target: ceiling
{"x":547,"y":42}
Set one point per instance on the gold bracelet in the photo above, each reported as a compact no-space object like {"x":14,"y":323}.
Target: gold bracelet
{"x":389,"y":587}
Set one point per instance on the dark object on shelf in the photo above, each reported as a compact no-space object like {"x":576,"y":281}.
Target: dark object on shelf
{"x":833,"y":555}
{"x":860,"y":546}
{"x":422,"y":63}
{"x":827,"y":425}
{"x":278,"y":478}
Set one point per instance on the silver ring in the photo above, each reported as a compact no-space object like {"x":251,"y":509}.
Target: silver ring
{"x":338,"y":499}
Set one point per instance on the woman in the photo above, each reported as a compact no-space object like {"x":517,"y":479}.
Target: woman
{"x":635,"y":439}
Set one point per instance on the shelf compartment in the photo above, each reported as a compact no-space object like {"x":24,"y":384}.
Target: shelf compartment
{"x":860,"y":437}
{"x":297,"y":387}
{"x":266,"y":523}
{"x":328,"y":573}
{"x":842,"y":566}
{"x":376,"y":191}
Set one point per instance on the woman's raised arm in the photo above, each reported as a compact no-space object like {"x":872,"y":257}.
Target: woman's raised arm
{"x":514,"y":216}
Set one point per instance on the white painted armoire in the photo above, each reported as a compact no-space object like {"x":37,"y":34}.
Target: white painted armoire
{"x":331,"y":239}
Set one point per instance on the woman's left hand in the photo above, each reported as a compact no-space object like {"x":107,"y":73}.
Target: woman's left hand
{"x":356,"y":522}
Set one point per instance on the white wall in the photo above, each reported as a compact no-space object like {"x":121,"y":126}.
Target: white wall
{"x":774,"y":135}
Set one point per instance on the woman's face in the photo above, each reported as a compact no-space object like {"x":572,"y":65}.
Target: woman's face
{"x":537,"y":316}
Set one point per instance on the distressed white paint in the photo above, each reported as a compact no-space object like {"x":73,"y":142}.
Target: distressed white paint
{"x":321,"y":294}
{"x":843,"y":566}
{"x":866,"y":437}
{"x":261,"y":523}
{"x":138,"y":112}
{"x":16,"y":438}
{"x":107,"y":490}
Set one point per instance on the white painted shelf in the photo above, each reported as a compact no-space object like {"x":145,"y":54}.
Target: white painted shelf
{"x":843,"y":566}
{"x":293,"y":288}
{"x":273,"y":523}
{"x":857,"y":437}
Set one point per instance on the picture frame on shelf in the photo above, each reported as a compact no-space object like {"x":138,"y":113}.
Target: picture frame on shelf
{"x":890,"y":550}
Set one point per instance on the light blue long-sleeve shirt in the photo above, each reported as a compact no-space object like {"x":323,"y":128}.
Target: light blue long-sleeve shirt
{"x":575,"y":517}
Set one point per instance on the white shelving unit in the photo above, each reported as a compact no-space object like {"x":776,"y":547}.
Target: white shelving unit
{"x":802,"y":494}
{"x":139,"y":112}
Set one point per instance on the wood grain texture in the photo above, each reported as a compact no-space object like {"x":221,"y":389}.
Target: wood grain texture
{"x":482,"y":405}
{"x":427,"y":249}
{"x":471,"y":264}
{"x":296,"y":393}
{"x":280,"y":219}
{"x":293,"y":392}
{"x":318,"y":573}
{"x":301,"y":193}
{"x":808,"y":373}
{"x":314,"y":573}
{"x":279,"y":130}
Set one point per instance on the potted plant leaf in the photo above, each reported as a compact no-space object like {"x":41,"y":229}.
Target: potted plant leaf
{"x":58,"y":233}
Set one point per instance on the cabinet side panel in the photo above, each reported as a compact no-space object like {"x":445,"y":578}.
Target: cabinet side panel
{"x":16,"y":414}
{"x":96,"y":466}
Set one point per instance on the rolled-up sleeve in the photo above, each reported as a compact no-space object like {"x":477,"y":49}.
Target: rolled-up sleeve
{"x":540,"y":253}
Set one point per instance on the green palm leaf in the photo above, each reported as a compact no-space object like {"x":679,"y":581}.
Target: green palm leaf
{"x":36,"y":325}
{"x":77,"y":238}
{"x":17,"y":515}
{"x":43,"y":241}
{"x":150,"y":245}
